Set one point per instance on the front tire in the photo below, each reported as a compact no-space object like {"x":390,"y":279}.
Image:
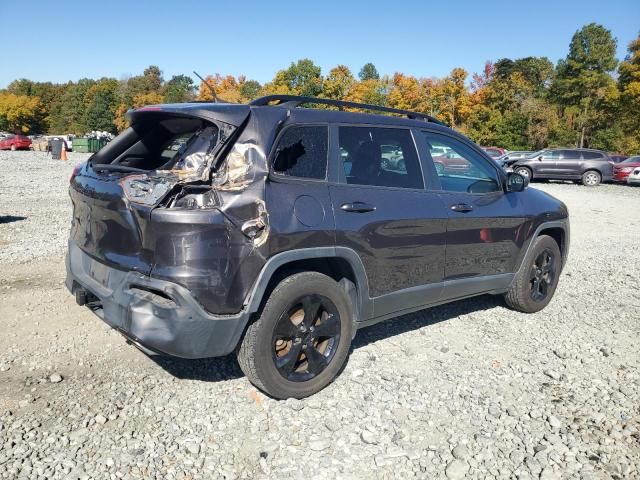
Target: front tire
{"x":301,"y":339}
{"x":536,"y":281}
{"x":525,"y":172}
{"x":591,"y":178}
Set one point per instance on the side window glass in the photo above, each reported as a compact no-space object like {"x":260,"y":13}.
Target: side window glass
{"x":384,"y":157}
{"x":551,"y":155}
{"x":591,"y":155}
{"x":302,"y":152}
{"x":570,"y":155}
{"x":459,"y":167}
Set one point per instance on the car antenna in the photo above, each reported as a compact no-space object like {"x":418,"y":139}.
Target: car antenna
{"x":215,"y":97}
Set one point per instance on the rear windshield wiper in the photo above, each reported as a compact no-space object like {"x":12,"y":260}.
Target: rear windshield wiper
{"x":118,"y":168}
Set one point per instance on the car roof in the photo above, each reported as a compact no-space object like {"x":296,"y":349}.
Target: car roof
{"x":577,"y":149}
{"x":235,"y":114}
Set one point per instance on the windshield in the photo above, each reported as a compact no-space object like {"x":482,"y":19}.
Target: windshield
{"x":635,"y":159}
{"x":536,"y":154}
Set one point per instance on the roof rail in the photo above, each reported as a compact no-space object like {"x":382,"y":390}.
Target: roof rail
{"x":294,"y":101}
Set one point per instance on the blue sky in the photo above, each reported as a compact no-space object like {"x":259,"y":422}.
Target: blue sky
{"x":67,"y":40}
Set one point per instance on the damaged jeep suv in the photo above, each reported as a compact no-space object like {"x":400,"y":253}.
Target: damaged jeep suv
{"x":277,"y":231}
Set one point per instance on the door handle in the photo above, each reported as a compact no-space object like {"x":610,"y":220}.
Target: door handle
{"x":357,"y":207}
{"x":461,"y":207}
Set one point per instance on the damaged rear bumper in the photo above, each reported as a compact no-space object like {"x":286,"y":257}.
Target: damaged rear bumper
{"x":158,"y":315}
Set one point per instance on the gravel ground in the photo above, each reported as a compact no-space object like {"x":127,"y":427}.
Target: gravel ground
{"x":466,"y":390}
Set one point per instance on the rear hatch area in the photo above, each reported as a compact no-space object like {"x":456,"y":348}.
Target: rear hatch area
{"x":146,"y":203}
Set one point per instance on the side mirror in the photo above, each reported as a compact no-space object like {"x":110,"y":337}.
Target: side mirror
{"x":540,"y":158}
{"x":516,"y":182}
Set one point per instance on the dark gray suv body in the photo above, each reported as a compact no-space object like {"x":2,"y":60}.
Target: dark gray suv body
{"x":277,"y":232}
{"x":591,"y":167}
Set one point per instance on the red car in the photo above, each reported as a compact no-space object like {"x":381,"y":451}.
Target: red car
{"x":15,"y":142}
{"x":494,"y":152}
{"x":622,"y":170}
{"x":450,"y":162}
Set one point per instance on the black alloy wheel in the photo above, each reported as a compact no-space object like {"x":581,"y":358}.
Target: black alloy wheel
{"x":305,"y":338}
{"x":542,"y":275}
{"x":300,"y":340}
{"x":537,"y":278}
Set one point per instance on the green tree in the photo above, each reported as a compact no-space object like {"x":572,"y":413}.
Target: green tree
{"x":369,"y":72}
{"x":250,"y":89}
{"x":583,"y":81}
{"x":629,"y":87}
{"x":301,"y":78}
{"x":179,"y":89}
{"x":71,"y":116}
{"x":536,"y":71}
{"x":100,"y":104}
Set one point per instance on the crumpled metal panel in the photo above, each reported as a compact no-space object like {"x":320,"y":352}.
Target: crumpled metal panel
{"x":215,"y":245}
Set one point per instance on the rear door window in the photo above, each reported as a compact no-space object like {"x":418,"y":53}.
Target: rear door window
{"x":570,"y":155}
{"x":302,"y":152}
{"x":377,"y":156}
{"x":592,"y":155}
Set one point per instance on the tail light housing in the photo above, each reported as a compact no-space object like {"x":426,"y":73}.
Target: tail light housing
{"x":76,"y":171}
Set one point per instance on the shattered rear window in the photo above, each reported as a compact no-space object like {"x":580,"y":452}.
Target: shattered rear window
{"x":302,"y":152}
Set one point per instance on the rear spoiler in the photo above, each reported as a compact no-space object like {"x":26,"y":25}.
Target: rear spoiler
{"x":233,"y":114}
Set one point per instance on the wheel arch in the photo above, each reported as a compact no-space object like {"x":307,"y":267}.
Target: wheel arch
{"x":340,"y":263}
{"x":593,"y":169}
{"x":558,"y":230}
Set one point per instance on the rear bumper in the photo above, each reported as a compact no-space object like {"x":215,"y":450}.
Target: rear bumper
{"x":160,"y":316}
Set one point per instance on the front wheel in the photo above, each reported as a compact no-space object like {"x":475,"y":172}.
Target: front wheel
{"x":536,"y":281}
{"x":591,"y":178}
{"x":301,"y":339}
{"x":524,"y":171}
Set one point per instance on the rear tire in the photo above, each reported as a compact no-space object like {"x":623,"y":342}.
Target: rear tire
{"x":536,"y":281}
{"x":301,"y":339}
{"x":591,"y":178}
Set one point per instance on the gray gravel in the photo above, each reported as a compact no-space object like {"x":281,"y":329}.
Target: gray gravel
{"x":467,"y":390}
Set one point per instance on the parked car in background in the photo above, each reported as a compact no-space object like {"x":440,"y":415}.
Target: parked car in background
{"x":622,"y":170}
{"x":15,"y":142}
{"x":516,"y":155}
{"x":634,"y":177}
{"x":510,"y":157}
{"x":494,"y":152}
{"x":617,"y":158}
{"x":591,"y":167}
{"x":449,"y":162}
{"x":324,"y":239}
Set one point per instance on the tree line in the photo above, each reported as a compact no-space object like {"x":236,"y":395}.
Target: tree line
{"x":587,"y":99}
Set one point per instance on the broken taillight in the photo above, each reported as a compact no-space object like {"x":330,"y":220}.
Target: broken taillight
{"x":76,"y":171}
{"x":146,"y":190}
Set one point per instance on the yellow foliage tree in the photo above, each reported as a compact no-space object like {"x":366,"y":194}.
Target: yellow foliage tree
{"x":20,"y":113}
{"x":227,"y":88}
{"x":141,"y":100}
